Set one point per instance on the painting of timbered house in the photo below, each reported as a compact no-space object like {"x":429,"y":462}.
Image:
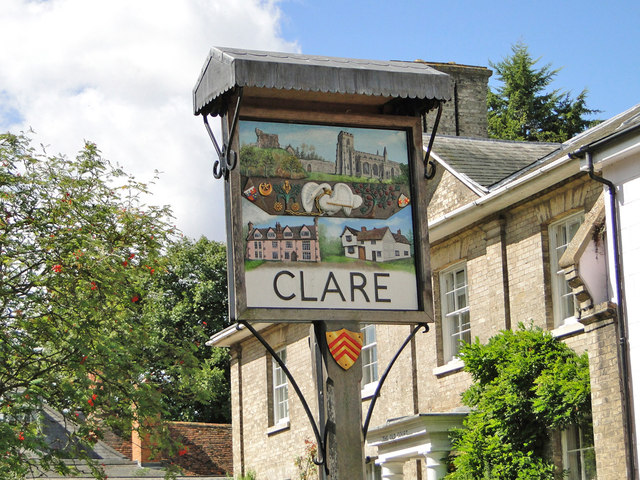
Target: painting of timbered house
{"x":283,"y":244}
{"x":376,"y":244}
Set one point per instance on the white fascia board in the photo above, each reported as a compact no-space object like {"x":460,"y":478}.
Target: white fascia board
{"x":509,"y":194}
{"x":233,"y":334}
{"x":606,"y":155}
{"x":473,"y":186}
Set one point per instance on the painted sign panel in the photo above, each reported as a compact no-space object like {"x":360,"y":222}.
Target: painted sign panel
{"x":327,"y":217}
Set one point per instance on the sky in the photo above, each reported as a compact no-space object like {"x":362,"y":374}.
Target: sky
{"x":324,"y":137}
{"x":120,"y":73}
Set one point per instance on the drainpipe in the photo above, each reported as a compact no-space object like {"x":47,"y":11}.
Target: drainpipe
{"x":623,"y":346}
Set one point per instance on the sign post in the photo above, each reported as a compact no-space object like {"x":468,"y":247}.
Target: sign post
{"x":324,"y":171}
{"x":342,"y":404}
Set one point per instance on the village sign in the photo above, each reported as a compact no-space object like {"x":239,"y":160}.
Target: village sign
{"x":325,"y":209}
{"x":324,"y":218}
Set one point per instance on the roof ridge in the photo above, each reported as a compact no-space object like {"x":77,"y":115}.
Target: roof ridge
{"x":494,"y":140}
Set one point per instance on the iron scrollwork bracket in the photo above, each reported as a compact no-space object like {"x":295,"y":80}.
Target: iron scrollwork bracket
{"x":430,"y":165}
{"x":365,"y":427}
{"x":227,"y":158}
{"x":321,"y":439}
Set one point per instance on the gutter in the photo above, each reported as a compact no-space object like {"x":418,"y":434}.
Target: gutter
{"x":591,"y":147}
{"x":623,"y":344}
{"x":233,"y":334}
{"x":555,"y":171}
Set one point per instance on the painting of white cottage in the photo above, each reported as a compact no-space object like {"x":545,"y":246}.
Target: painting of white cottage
{"x":283,"y":244}
{"x":376,"y":244}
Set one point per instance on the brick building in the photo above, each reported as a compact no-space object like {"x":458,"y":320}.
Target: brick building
{"x":501,"y":215}
{"x":297,"y":243}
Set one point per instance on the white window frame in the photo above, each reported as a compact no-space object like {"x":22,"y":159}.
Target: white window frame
{"x":369,"y":355}
{"x":280,"y":389}
{"x":560,"y":289}
{"x":579,"y":452}
{"x":454,"y":327}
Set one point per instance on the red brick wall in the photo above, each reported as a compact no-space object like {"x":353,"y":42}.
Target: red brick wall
{"x":121,"y":443}
{"x":207,"y":445}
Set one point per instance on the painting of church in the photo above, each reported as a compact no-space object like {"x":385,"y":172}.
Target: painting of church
{"x":376,"y":244}
{"x":350,"y":161}
{"x":283,"y":244}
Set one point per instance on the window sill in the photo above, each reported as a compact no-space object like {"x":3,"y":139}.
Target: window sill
{"x":571,"y":327}
{"x":369,"y":390}
{"x":278,"y":427}
{"x":454,"y":365}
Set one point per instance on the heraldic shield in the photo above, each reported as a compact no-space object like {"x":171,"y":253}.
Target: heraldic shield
{"x":345,"y":347}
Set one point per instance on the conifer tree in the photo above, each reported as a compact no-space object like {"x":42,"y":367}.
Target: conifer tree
{"x":523,"y":108}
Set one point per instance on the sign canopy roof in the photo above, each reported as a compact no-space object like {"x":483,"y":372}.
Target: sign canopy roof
{"x":227,"y":68}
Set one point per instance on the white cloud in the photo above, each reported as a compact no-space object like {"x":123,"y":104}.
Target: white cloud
{"x":120,"y":73}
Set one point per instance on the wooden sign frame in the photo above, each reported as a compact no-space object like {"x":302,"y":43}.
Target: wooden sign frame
{"x":238,"y":194}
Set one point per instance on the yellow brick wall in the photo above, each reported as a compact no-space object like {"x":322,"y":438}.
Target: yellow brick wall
{"x":449,"y":194}
{"x":511,"y":245}
{"x":272,"y":455}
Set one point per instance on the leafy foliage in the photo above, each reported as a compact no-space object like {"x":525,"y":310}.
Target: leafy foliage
{"x":79,"y":252}
{"x":188,"y":300}
{"x":269,"y":162}
{"x":305,"y":466}
{"x":330,"y":246}
{"x":526,"y":384}
{"x":522,"y":108}
{"x":374,"y":196}
{"x":250,"y":475}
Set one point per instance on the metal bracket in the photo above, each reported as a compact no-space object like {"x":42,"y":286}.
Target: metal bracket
{"x":365,"y":427}
{"x":321,"y":432}
{"x":320,"y":438}
{"x":227,"y":158}
{"x":429,"y":173}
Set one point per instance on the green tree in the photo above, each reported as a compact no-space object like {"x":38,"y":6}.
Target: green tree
{"x":404,"y":175}
{"x":267,"y":163}
{"x":189,"y":300}
{"x":290,"y":164}
{"x":78,"y":253}
{"x":526,"y":384}
{"x":522,"y":108}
